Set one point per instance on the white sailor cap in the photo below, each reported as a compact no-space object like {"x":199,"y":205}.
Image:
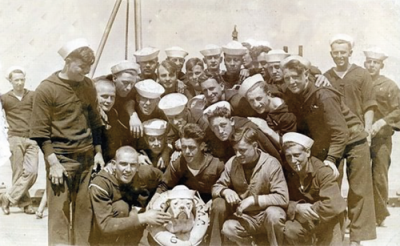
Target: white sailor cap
{"x":154,"y":127}
{"x":72,"y":45}
{"x":173,"y":104}
{"x":176,"y":51}
{"x":211,"y":50}
{"x":220,"y":104}
{"x":146,"y":54}
{"x":250,"y":41}
{"x":306,"y":63}
{"x":124,"y":65}
{"x":375,"y":53}
{"x":181,"y":192}
{"x":344,"y":37}
{"x":298,"y":138}
{"x":14,"y":68}
{"x":197,"y":102}
{"x":234,"y":48}
{"x":149,"y":89}
{"x":263,"y":43}
{"x":248,"y":83}
{"x":276,"y":55}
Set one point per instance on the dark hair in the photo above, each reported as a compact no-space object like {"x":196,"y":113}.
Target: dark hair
{"x":248,"y":134}
{"x":170,"y":66}
{"x":206,"y":75}
{"x":85,"y":54}
{"x":192,"y":62}
{"x":192,"y":131}
{"x":295,"y":65}
{"x":257,"y":50}
{"x":219,"y":112}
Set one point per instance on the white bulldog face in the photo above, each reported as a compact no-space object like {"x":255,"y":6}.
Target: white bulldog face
{"x":181,"y":208}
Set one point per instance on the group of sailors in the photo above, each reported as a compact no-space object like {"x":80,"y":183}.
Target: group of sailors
{"x":263,"y":144}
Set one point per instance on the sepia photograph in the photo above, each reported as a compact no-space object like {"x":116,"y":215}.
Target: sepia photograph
{"x":213,"y":122}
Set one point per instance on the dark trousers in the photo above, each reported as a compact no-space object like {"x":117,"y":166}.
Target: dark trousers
{"x":264,"y":228}
{"x":381,"y":148}
{"x":69,"y":207}
{"x":360,"y":199}
{"x":328,"y":233}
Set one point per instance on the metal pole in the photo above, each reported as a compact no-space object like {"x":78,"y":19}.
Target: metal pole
{"x":105,"y":36}
{"x":285,"y":48}
{"x":300,"y":50}
{"x":127,"y":30}
{"x":138,"y":25}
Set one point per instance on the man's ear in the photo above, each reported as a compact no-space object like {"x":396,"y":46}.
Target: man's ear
{"x":350,"y":53}
{"x":220,"y":59}
{"x":202,"y":146}
{"x":306,"y":74}
{"x":308,"y":153}
{"x":382,"y":65}
{"x":232,"y":121}
{"x":255,"y":144}
{"x":365,"y":64}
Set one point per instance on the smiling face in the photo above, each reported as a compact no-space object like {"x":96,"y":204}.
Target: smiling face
{"x":155,"y":143}
{"x":178,"y":62}
{"x":340,"y":53}
{"x":373,"y":66}
{"x":263,"y":64}
{"x":212,"y":90}
{"x":147,"y":105}
{"x":179,"y":120}
{"x":76,"y":69}
{"x":245,"y":152}
{"x":275,"y":71}
{"x":126,"y":165}
{"x":105,"y":95}
{"x":296,"y":156}
{"x":222,"y":127}
{"x":194,"y":75}
{"x":213,"y":62}
{"x":17,"y":81}
{"x":258,"y":99}
{"x":166,"y":78}
{"x":148,"y":68}
{"x":295,"y":82}
{"x":191,"y":149}
{"x":124,"y":82}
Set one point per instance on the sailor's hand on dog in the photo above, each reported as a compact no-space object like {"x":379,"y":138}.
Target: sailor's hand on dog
{"x":231,"y":196}
{"x":154,"y":217}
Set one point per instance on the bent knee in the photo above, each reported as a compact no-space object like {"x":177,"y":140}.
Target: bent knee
{"x":229,"y":228}
{"x":218,"y":205}
{"x":275,"y":215}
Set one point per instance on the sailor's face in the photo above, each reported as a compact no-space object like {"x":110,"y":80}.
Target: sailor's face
{"x":296,"y":156}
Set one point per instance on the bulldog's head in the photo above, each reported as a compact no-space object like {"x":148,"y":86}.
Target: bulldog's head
{"x":181,"y":208}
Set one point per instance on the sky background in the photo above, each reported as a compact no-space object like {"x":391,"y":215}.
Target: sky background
{"x":31,"y":32}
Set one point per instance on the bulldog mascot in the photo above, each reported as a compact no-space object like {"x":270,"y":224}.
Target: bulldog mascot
{"x":189,"y":220}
